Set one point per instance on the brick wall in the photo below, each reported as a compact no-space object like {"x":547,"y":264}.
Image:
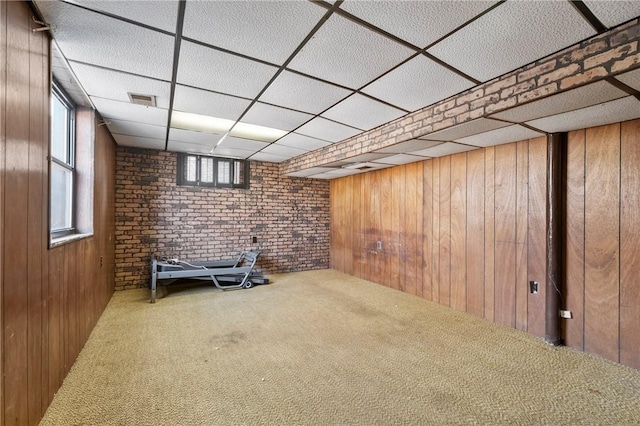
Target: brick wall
{"x":602,"y":56}
{"x":289,"y":217}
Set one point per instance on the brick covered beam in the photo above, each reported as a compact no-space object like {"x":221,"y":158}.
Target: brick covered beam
{"x":602,"y":56}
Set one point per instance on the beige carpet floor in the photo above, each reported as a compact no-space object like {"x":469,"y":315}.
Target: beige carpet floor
{"x":323,"y":348}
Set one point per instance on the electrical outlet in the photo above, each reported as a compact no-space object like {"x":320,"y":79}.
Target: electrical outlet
{"x":254,"y":240}
{"x":101,"y":261}
{"x":533,"y":287}
{"x":566,"y":314}
{"x":379,"y":245}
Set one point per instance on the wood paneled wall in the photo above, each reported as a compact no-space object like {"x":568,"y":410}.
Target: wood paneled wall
{"x":50,"y":298}
{"x":469,"y":231}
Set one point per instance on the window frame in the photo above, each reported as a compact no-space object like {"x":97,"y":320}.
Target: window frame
{"x":69,"y":165}
{"x":233,"y":163}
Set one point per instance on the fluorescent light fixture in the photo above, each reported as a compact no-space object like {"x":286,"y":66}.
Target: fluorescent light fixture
{"x":207,"y":124}
{"x":258,"y":133}
{"x":200,"y":123}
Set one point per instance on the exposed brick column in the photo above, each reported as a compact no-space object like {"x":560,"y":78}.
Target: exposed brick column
{"x":604,"y":55}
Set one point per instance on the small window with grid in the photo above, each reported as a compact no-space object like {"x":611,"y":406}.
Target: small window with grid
{"x":201,"y":170}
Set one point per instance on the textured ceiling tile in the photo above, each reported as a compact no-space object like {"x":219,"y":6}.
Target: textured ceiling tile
{"x":367,"y":157}
{"x":197,"y":138}
{"x":267,"y":30}
{"x":222,"y":151}
{"x":191,"y":148}
{"x":409,"y":146}
{"x":362,"y":112}
{"x":92,"y":38}
{"x":271,"y":158}
{"x":159,"y":14}
{"x":465,"y":129}
{"x":418,"y":22}
{"x":309,"y":172}
{"x":512,"y":35}
{"x":446,"y":148}
{"x":139,"y":142}
{"x":302,"y":93}
{"x":286,"y":151}
{"x":348,"y":54}
{"x":276,"y":117}
{"x":501,"y":136}
{"x":568,"y":101}
{"x":327,"y":130}
{"x":130,"y":112}
{"x":612,"y":13}
{"x":197,"y":101}
{"x":631,"y":79}
{"x":400,"y":159}
{"x":212,"y":69}
{"x":417,"y":83}
{"x":131,"y":128}
{"x":115,"y":85}
{"x":302,"y":142}
{"x":611,"y":112}
{"x":245,"y":144}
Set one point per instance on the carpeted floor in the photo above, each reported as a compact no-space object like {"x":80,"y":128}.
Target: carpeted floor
{"x":324,"y":348}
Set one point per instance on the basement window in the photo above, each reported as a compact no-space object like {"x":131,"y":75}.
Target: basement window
{"x":202,"y":170}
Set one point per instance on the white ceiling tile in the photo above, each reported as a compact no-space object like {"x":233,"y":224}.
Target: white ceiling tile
{"x":245,"y":144}
{"x":222,"y":151}
{"x":371,"y":156}
{"x":309,"y":172}
{"x":111,"y":84}
{"x":131,"y":128}
{"x":340,"y":47}
{"x":198,"y":138}
{"x":512,"y":35}
{"x":130,"y":112}
{"x":418,"y":22}
{"x":302,"y":93}
{"x":327,"y":130}
{"x":417,"y":83}
{"x":271,"y":158}
{"x":568,"y":101}
{"x":501,"y":136}
{"x":274,"y":116}
{"x":408,"y":146}
{"x":611,"y":112}
{"x":612,"y":13}
{"x":302,"y":142}
{"x":399,"y":159}
{"x":469,"y":128}
{"x":286,"y":151}
{"x":447,"y":148}
{"x":139,"y":142}
{"x":267,"y":30}
{"x":92,"y":38}
{"x":197,"y":101}
{"x":159,"y":14}
{"x":212,"y":69}
{"x":193,"y":148}
{"x":363,"y":112}
{"x":631,"y":79}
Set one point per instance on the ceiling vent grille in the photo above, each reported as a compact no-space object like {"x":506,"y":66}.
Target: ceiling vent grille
{"x":146,"y":100}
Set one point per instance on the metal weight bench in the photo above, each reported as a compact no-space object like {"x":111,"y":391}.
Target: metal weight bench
{"x":234,"y":274}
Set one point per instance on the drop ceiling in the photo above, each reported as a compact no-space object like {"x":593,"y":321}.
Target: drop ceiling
{"x":320,"y":72}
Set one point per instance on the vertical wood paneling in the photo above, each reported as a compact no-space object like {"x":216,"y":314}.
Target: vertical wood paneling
{"x":15,"y":291}
{"x":505,"y":234}
{"x":435,"y":274}
{"x":398,"y":274}
{"x":458,"y":231}
{"x":36,"y":233}
{"x":359,"y":214}
{"x":630,"y":245}
{"x":522,"y":207}
{"x":602,"y":219}
{"x":419,"y":238}
{"x":536,"y":235}
{"x":55,"y":311}
{"x":489,"y":233}
{"x":3,"y":79}
{"x":475,"y":256}
{"x":375,"y":229}
{"x":445,"y":231}
{"x":410,"y":258}
{"x":427,"y":226}
{"x":385,"y":219}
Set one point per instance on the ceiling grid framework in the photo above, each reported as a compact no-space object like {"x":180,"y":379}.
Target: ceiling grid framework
{"x":310,"y":83}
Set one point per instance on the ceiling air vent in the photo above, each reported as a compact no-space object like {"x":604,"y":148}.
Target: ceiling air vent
{"x":146,"y":100}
